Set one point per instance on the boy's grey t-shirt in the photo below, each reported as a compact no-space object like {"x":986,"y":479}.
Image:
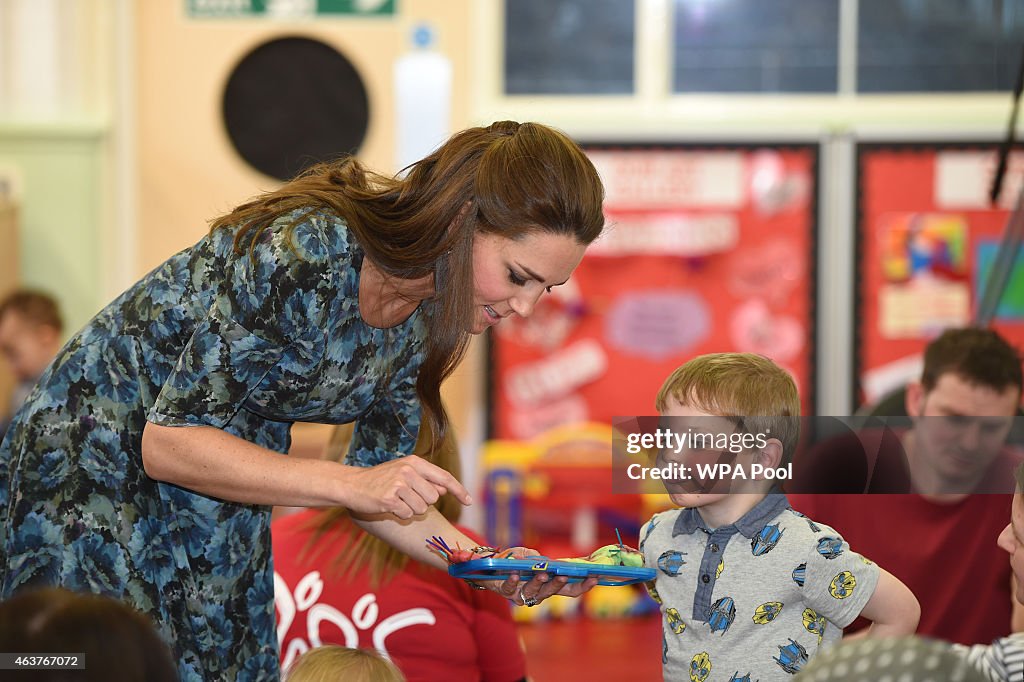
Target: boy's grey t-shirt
{"x":757,"y":598}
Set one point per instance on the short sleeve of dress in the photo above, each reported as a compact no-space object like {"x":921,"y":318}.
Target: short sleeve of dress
{"x":269,"y":312}
{"x":838,"y":582}
{"x":390,"y":427}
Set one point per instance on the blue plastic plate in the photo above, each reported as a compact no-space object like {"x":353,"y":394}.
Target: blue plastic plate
{"x":500,"y":569}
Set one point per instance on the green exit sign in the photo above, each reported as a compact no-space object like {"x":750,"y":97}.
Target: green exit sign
{"x":289,"y":8}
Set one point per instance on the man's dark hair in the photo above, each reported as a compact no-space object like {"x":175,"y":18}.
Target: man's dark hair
{"x":35,"y":306}
{"x":979,"y":356}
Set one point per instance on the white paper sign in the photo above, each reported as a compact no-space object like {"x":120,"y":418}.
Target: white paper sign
{"x":651,"y":179}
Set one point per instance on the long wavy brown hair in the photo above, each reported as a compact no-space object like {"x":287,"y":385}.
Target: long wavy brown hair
{"x":508,"y":179}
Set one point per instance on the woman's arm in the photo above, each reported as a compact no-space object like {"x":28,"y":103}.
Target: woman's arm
{"x":893,"y":609}
{"x":215,"y":463}
{"x":410,"y":537}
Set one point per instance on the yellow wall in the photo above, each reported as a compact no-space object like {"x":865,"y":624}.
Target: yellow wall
{"x":8,"y":280}
{"x":61,"y":170}
{"x":188,"y":171}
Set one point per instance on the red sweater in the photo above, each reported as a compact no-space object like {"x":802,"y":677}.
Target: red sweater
{"x":433,"y":627}
{"x":945,"y":553}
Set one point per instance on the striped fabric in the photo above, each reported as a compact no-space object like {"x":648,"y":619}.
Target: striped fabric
{"x":1001,"y":661}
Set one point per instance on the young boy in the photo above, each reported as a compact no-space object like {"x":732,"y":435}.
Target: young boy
{"x":749,"y":588}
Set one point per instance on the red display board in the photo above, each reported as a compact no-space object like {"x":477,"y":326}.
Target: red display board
{"x":707,"y":249}
{"x":926,"y":239}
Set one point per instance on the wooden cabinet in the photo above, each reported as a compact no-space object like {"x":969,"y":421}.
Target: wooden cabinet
{"x":8,"y":281}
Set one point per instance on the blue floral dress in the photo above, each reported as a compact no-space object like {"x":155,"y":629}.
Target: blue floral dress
{"x":247,"y":345}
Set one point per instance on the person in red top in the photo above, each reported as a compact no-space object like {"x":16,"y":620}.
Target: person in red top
{"x":334,"y":584}
{"x":940,"y":541}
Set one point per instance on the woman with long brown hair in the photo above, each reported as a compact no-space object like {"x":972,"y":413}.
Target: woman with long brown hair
{"x":144,"y":464}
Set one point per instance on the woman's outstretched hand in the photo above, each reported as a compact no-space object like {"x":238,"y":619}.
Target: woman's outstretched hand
{"x":539,"y":587}
{"x":405,"y":487}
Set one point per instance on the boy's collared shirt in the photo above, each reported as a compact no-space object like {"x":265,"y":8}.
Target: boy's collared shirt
{"x":757,"y":598}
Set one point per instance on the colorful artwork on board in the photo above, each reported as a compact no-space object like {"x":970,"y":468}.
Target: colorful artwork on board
{"x":927,"y":234}
{"x":1011,"y":303}
{"x":924,"y":245}
{"x":706,"y":249}
{"x":658,"y":324}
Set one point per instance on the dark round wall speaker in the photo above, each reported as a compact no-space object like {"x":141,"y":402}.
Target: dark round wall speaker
{"x":293,"y":102}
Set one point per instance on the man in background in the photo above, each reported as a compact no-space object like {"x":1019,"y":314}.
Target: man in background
{"x":940,"y":540}
{"x":30,"y":336}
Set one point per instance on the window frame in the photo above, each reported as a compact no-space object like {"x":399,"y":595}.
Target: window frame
{"x":656,"y":111}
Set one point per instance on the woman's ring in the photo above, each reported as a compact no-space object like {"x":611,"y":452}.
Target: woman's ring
{"x":529,"y":601}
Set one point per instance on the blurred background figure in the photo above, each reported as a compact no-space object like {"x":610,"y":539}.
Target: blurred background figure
{"x":962,"y":404}
{"x":333,"y":663}
{"x":31,"y":330}
{"x":119,"y":644}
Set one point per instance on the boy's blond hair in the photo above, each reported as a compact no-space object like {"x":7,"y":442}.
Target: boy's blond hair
{"x":331,"y":662}
{"x":742,"y":385}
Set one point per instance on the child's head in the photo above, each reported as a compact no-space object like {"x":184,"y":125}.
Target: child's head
{"x":332,"y":663}
{"x":751,"y":393}
{"x":119,"y":643}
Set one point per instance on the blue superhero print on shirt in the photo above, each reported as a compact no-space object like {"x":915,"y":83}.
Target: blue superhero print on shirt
{"x":670,"y":562}
{"x":723,"y":613}
{"x":830,"y":547}
{"x":766,"y":540}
